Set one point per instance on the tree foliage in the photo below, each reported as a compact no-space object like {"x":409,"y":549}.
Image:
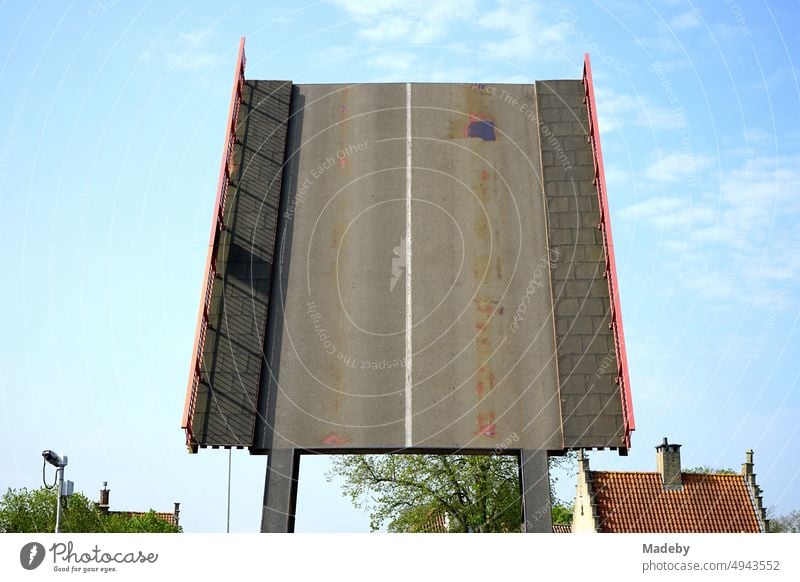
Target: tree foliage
{"x":148,"y":522}
{"x":789,"y":523}
{"x":706,"y":470}
{"x":24,"y":511}
{"x":411,"y":493}
{"x":562,"y":513}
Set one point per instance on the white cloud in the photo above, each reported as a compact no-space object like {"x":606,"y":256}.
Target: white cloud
{"x":756,"y":135}
{"x":666,"y":212}
{"x":408,"y":21}
{"x":393,"y":28}
{"x":375,"y":8}
{"x":527,"y":34}
{"x":394,"y":65}
{"x":520,"y":30}
{"x":685,"y":20}
{"x":441,"y":72}
{"x":195,"y":38}
{"x":188,"y":52}
{"x":333,"y":53}
{"x":777,"y":78}
{"x":190,"y":61}
{"x":615,"y":110}
{"x":660,"y":40}
{"x":393,"y":61}
{"x":677,"y":167}
{"x":652,"y":207}
{"x":733,"y":234}
{"x":514,"y":47}
{"x":617,"y":178}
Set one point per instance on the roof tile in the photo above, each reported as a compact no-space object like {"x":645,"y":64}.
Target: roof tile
{"x":638,"y":503}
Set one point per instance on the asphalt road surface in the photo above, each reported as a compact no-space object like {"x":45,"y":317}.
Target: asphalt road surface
{"x":417,"y":310}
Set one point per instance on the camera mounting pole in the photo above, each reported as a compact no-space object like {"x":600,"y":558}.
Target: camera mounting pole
{"x":59,"y":463}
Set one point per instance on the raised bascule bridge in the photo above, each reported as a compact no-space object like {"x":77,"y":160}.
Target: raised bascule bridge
{"x":410,"y":268}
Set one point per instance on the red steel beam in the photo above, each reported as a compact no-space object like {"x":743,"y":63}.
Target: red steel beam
{"x":611,"y":266}
{"x":210,"y":270}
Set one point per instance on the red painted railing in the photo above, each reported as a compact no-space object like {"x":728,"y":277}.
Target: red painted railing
{"x":211,"y":258}
{"x":623,"y":378}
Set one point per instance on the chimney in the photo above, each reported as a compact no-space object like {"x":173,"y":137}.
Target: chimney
{"x":104,"y":493}
{"x":177,"y":512}
{"x":668,"y":462}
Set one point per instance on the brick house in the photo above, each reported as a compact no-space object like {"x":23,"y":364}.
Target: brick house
{"x":105,"y":493}
{"x":668,"y":500}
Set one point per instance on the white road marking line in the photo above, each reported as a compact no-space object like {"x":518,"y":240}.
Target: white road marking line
{"x":408,"y":266}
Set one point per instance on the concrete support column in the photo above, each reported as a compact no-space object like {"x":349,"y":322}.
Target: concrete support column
{"x":280,"y":491}
{"x":535,"y":483}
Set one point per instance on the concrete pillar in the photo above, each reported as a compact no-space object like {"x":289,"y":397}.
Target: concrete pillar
{"x":535,"y":483}
{"x":280,"y":491}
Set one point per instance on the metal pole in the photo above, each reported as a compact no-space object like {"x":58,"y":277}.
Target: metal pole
{"x":59,"y":489}
{"x":228,"y":524}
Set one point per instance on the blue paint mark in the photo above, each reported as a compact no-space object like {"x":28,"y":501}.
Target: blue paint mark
{"x":481,"y":127}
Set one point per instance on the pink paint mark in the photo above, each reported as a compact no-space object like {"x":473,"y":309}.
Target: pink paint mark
{"x":484,"y":305}
{"x":487,"y":380}
{"x":485,"y":175}
{"x":486,"y":426}
{"x":334,"y":439}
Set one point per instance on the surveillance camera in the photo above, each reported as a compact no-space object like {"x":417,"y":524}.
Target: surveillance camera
{"x":52,"y":458}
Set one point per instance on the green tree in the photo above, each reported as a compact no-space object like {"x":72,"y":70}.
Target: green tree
{"x":139,"y":523}
{"x":706,"y":470}
{"x":789,"y":523}
{"x":24,"y":511}
{"x":562,"y":513}
{"x":35,"y":511}
{"x":408,"y":493}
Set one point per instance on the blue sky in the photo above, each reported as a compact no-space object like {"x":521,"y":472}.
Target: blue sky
{"x":112,"y":119}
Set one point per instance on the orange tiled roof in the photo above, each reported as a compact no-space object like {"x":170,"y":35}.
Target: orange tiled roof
{"x":437,"y":523}
{"x":168,"y":517}
{"x":562,"y":528}
{"x":637,"y":503}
